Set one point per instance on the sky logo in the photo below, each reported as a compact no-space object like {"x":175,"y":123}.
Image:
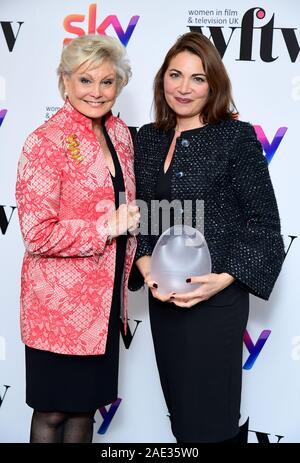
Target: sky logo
{"x":2,"y":115}
{"x":108,"y":415}
{"x":254,"y":350}
{"x":111,"y":20}
{"x":270,"y":148}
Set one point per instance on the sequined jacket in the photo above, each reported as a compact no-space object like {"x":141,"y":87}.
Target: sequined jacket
{"x":224,"y":166}
{"x":64,"y":193}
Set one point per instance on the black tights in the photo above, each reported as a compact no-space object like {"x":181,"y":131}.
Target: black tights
{"x":58,"y":427}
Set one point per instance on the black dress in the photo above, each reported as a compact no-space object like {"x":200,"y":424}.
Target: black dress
{"x":74,"y":383}
{"x":199,"y":356}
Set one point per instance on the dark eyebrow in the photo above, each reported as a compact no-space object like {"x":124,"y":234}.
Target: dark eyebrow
{"x":193,"y":75}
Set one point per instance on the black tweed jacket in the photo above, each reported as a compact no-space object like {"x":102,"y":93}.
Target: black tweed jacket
{"x":223,"y":165}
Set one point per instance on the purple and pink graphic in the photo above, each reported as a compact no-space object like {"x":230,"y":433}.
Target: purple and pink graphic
{"x":111,"y":20}
{"x":270,"y":148}
{"x":254,"y":349}
{"x":108,"y":415}
{"x":2,"y":115}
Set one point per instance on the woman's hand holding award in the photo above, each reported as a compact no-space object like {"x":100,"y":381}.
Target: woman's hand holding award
{"x":180,"y":253}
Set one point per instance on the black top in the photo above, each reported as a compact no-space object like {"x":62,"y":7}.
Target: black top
{"x":163,"y":191}
{"x":117,"y":179}
{"x":119,"y":190}
{"x":163,"y":186}
{"x":224,"y":166}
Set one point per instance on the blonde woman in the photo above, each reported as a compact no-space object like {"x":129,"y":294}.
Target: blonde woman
{"x":75,"y":190}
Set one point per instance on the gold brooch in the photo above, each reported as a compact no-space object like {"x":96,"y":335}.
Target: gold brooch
{"x":72,"y":145}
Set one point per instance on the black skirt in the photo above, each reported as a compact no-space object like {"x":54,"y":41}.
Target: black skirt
{"x":75,"y":383}
{"x":199,"y":357}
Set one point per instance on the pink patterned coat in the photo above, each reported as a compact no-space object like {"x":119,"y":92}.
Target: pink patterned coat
{"x":68,"y":269}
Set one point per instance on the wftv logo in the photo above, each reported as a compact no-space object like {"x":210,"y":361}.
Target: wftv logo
{"x":126,"y":334}
{"x":260,"y":437}
{"x":4,"y":221}
{"x":111,"y":20}
{"x":2,"y":396}
{"x":9,"y":35}
{"x":247,"y":29}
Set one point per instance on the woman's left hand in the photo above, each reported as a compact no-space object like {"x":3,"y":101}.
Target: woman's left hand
{"x":211,"y":284}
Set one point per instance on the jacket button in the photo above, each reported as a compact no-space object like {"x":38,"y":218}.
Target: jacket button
{"x":179,"y":174}
{"x":185,"y":143}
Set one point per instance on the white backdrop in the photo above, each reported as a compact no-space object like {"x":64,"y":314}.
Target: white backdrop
{"x":265,"y":76}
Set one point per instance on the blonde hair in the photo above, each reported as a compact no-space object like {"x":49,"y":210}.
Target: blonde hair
{"x":93,"y":50}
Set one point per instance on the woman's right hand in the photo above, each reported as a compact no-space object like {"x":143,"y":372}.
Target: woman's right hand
{"x":153,"y":286}
{"x":125,"y":218}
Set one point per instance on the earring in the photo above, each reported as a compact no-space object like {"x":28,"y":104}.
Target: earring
{"x":65,"y":95}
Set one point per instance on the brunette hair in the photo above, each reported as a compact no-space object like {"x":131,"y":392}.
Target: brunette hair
{"x":219,"y":105}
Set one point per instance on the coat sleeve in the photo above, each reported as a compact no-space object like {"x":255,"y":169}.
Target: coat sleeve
{"x":38,"y":200}
{"x":257,"y":251}
{"x":144,"y":245}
